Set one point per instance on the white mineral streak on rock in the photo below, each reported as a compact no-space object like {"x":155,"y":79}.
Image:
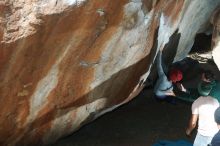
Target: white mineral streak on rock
{"x":165,"y":31}
{"x":129,"y":35}
{"x":67,"y":122}
{"x":74,"y":2}
{"x":215,"y":20}
{"x":39,"y":99}
{"x":57,"y":6}
{"x":216,"y":54}
{"x":194,"y":20}
{"x":44,"y":87}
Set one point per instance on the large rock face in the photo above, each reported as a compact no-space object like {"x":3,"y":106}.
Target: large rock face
{"x":216,"y":37}
{"x":66,"y":62}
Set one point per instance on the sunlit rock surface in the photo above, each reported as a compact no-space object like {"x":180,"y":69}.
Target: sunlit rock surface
{"x":215,"y":20}
{"x":64,"y":63}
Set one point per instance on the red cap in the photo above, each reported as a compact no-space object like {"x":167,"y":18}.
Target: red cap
{"x":175,"y":75}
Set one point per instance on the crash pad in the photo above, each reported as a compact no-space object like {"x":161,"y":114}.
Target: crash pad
{"x":173,"y":143}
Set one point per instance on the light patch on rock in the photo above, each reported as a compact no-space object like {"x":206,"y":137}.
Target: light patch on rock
{"x":144,"y":76}
{"x":147,"y":18}
{"x":23,"y":18}
{"x":67,"y":122}
{"x":165,"y":31}
{"x":44,"y":87}
{"x":100,"y":11}
{"x":74,"y":2}
{"x":133,"y":15}
{"x":107,"y":110}
{"x":216,"y":55}
{"x":39,"y":99}
{"x":116,"y":56}
{"x":195,"y":18}
{"x":23,"y":93}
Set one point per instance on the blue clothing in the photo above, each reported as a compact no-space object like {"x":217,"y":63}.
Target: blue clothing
{"x":162,"y":85}
{"x":201,"y":140}
{"x":172,"y":143}
{"x":216,"y":139}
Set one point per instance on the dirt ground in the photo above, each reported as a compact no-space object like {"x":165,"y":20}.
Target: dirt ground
{"x":141,"y":122}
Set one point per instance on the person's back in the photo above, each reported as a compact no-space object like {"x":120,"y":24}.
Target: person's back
{"x":205,"y":106}
{"x":203,"y":109}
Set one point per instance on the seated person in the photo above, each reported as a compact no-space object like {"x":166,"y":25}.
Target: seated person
{"x":176,"y":76}
{"x":204,"y":88}
{"x":170,"y":87}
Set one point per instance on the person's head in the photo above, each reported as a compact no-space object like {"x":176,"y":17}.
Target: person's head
{"x":175,"y":75}
{"x":207,"y":76}
{"x":217,"y":115}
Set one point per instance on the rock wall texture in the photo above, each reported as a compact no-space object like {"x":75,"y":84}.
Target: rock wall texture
{"x":215,"y":20}
{"x":64,"y":63}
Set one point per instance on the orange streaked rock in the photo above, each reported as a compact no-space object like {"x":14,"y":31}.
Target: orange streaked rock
{"x":64,"y":63}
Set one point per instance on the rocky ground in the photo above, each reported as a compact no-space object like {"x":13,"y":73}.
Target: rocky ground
{"x":141,"y":122}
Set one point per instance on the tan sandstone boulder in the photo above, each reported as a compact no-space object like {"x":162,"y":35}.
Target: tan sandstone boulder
{"x":64,"y":63}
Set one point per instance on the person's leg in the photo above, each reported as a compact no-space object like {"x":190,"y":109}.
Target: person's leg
{"x":160,"y":99}
{"x":202,"y":140}
{"x":170,"y":99}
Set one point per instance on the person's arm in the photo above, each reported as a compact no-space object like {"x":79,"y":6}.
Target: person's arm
{"x":181,"y":87}
{"x":170,"y":93}
{"x":192,"y":124}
